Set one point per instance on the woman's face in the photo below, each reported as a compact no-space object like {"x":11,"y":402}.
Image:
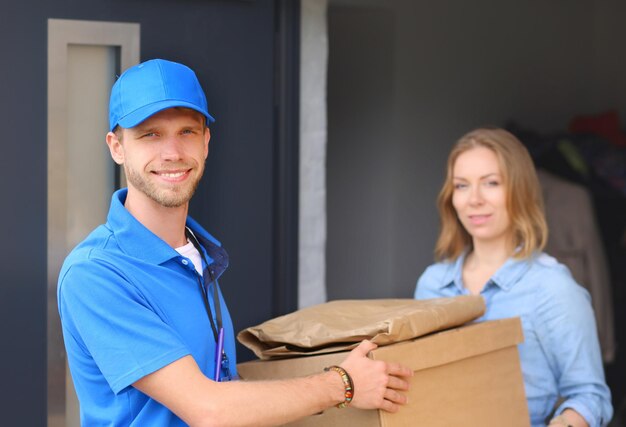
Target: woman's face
{"x":479,"y":195}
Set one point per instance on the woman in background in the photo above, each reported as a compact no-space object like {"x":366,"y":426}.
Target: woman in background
{"x":492,"y":233}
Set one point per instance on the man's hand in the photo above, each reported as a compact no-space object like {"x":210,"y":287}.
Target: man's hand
{"x":377,"y":384}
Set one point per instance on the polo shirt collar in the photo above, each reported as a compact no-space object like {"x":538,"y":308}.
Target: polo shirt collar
{"x":505,"y":277}
{"x":136,"y":240}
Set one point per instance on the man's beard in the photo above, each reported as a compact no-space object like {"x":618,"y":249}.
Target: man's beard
{"x":172,"y":197}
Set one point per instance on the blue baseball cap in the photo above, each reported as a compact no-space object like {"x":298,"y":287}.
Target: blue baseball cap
{"x":153,"y":86}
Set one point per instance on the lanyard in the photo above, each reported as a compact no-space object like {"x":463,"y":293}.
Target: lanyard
{"x":203,"y":288}
{"x":221,"y":360}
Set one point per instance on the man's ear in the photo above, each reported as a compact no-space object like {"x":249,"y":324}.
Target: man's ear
{"x":116,"y":148}
{"x":207,"y":138}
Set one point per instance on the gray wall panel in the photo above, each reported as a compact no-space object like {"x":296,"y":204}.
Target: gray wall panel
{"x":231,"y":46}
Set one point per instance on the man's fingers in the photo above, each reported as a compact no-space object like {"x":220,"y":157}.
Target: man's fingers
{"x":364,"y":347}
{"x":399,"y":370}
{"x":393,"y":401}
{"x":389,"y":407}
{"x":377,"y":384}
{"x":395,"y":397}
{"x":397,"y":383}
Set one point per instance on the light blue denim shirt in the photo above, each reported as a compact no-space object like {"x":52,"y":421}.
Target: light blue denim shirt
{"x":560,"y":355}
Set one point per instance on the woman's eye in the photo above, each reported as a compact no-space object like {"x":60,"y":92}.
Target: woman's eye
{"x":459,"y":186}
{"x":493,"y":183}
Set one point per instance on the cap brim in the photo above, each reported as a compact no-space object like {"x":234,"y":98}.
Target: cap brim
{"x":133,"y":119}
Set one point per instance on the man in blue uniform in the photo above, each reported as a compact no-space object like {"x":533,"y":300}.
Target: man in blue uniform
{"x":148,"y":335}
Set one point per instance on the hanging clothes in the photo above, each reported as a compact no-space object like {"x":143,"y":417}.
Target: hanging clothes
{"x":575,"y":241}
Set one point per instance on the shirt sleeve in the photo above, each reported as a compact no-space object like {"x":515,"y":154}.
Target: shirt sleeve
{"x":110,"y":321}
{"x":566,"y":329}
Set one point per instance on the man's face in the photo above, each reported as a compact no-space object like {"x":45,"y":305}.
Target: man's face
{"x":163,"y":157}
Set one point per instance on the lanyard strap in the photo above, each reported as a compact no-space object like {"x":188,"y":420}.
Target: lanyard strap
{"x":205,"y":298}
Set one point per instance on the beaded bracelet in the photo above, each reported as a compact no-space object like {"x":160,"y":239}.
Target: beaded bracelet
{"x":347,"y":383}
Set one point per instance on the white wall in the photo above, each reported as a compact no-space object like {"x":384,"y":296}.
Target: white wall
{"x":408,"y":77}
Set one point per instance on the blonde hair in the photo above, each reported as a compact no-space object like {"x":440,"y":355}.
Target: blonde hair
{"x":524,"y":200}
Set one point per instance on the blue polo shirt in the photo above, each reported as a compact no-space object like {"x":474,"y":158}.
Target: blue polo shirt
{"x":130,"y":304}
{"x":560,"y":355}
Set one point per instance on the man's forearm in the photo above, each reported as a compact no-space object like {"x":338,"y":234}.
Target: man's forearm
{"x":199,"y":401}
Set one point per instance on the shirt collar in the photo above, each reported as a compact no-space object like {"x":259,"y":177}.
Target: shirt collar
{"x":505,"y":277}
{"x":453,"y":273}
{"x":136,"y":240}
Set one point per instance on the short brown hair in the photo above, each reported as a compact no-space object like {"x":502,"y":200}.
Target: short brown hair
{"x":524,"y":200}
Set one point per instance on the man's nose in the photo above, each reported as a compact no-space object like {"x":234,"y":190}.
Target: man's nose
{"x":171,"y":148}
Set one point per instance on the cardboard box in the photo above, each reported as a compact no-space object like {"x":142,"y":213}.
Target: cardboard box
{"x":466,"y":376}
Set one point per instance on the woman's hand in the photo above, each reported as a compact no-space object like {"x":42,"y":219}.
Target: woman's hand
{"x":568,"y":418}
